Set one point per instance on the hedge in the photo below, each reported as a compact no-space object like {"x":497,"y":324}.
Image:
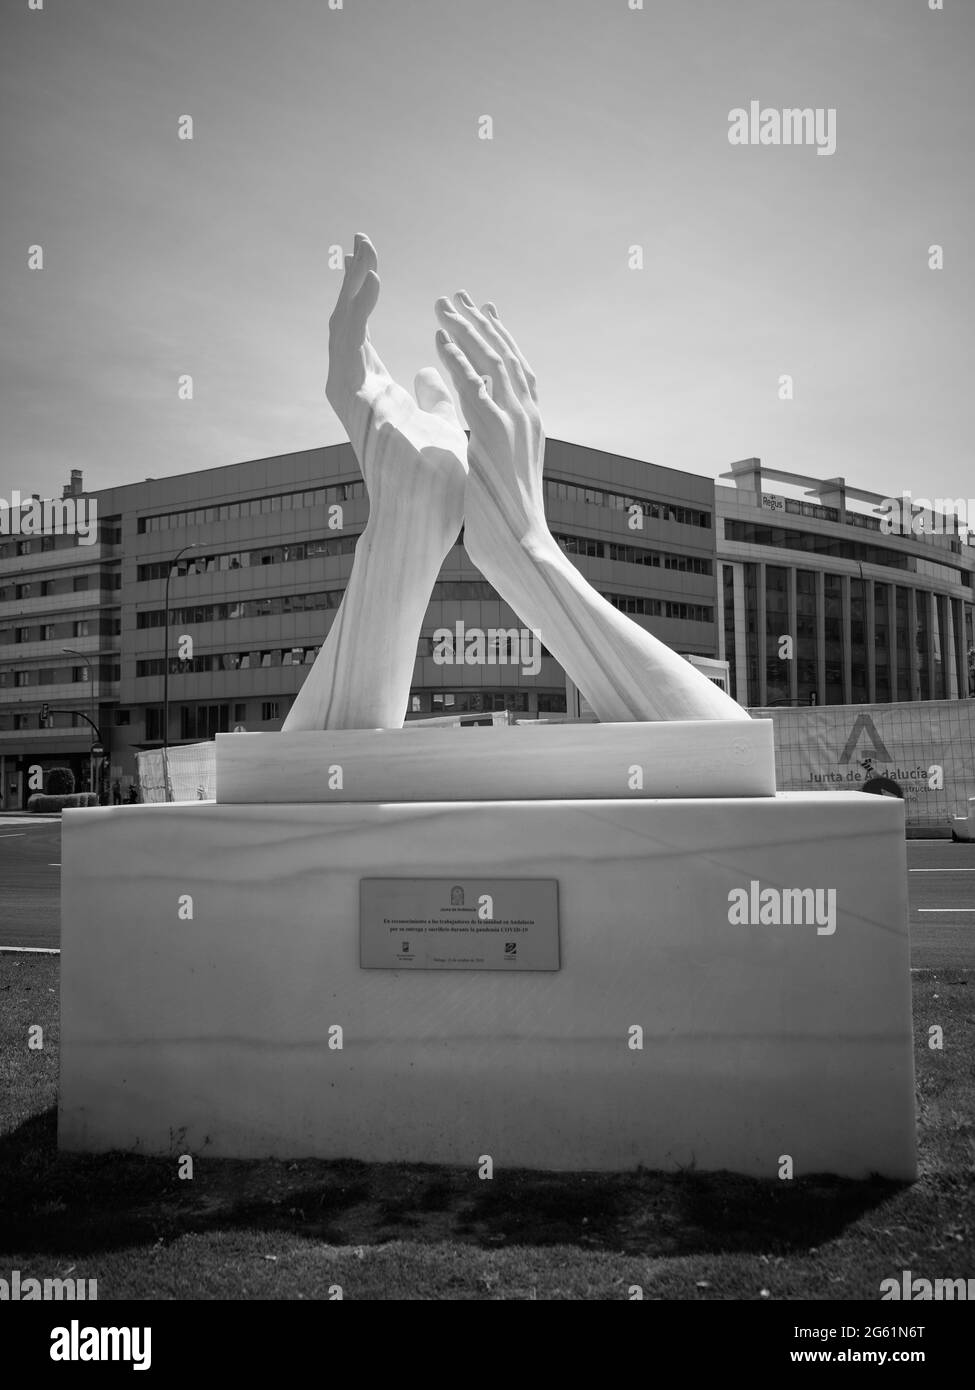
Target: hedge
{"x":44,"y":804}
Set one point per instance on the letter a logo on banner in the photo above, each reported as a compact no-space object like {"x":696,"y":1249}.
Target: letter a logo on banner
{"x":863,"y":723}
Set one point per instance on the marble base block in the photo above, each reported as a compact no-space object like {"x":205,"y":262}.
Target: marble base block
{"x":704,"y":757}
{"x":668,"y":1035}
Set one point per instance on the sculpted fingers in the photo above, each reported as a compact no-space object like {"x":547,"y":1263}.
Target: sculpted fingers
{"x":491,"y":310}
{"x":358,"y":265}
{"x":491,"y":331}
{"x":474,"y":396}
{"x":481,"y":355}
{"x":362,"y":306}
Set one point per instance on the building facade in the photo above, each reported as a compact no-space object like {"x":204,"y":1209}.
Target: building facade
{"x":255,"y":557}
{"x":819,"y":605}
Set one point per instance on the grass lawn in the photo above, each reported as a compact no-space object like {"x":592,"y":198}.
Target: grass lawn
{"x":293,"y":1230}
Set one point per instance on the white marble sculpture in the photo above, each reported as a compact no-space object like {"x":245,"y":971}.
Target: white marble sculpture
{"x":424,"y":479}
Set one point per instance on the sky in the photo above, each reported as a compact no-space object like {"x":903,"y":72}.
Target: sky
{"x":210,"y":256}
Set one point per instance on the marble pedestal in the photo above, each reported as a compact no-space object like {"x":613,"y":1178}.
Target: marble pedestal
{"x":210,"y":1033}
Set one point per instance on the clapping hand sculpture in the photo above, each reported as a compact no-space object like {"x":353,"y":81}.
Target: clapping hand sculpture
{"x":413,"y":456}
{"x":423,"y":479}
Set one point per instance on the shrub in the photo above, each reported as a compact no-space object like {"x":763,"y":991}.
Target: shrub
{"x":42,"y":804}
{"x":60,"y":781}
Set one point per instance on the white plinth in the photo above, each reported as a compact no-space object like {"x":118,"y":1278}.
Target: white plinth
{"x":211,"y":1034}
{"x":706,"y":757}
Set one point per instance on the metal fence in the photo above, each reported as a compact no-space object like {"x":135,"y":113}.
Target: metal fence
{"x":922,"y":751}
{"x":192,"y":773}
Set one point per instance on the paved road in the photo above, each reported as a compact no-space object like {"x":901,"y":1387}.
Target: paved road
{"x":30,"y":881}
{"x":941,"y":887}
{"x":941,"y":881}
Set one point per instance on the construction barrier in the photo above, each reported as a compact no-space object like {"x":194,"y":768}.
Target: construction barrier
{"x":192,"y":773}
{"x":922,"y":751}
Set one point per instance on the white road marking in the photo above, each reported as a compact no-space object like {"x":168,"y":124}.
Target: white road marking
{"x":946,"y":909}
{"x":33,"y":950}
{"x":17,"y":835}
{"x":941,"y":871}
{"x":54,"y":864}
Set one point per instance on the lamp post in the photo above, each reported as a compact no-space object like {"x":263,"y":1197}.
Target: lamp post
{"x":94,"y":722}
{"x":169,"y":574}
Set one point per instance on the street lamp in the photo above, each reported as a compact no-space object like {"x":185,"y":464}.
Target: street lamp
{"x":169,"y":574}
{"x":91,"y":690}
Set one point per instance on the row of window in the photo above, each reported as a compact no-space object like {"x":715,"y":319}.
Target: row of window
{"x":253,"y":506}
{"x":246,"y":559}
{"x":204,"y":721}
{"x":241,"y":608}
{"x":228,"y":661}
{"x":345,"y":545}
{"x":59,"y":675}
{"x":56,"y":719}
{"x":784,"y":538}
{"x":633,"y":554}
{"x":460,"y":589}
{"x":53,"y":632}
{"x":348,"y":492}
{"x":661,"y":608}
{"x":108,"y":534}
{"x":622,"y":502}
{"x":65,"y":584}
{"x":504,"y":647}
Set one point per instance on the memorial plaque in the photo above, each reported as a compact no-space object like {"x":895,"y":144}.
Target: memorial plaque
{"x":459,"y":924}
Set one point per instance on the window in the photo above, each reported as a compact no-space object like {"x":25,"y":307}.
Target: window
{"x":122,"y":717}
{"x":81,"y":628}
{"x":22,"y":678}
{"x":240,"y":713}
{"x":154,"y":722}
{"x":80,"y":582}
{"x":47,"y":632}
{"x":79,"y":674}
{"x":24,"y":590}
{"x":23,"y":547}
{"x":269,"y":709}
{"x":22,"y":634}
{"x":551,"y":704}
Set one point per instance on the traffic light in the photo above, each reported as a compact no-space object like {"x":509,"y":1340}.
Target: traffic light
{"x":44,"y":715}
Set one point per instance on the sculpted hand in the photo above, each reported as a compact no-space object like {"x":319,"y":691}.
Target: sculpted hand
{"x":622,"y":669}
{"x":507,"y":443}
{"x":412,"y":452}
{"x":413,"y":456}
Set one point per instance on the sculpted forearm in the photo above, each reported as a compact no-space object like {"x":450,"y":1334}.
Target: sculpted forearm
{"x":411,"y":449}
{"x":361,"y":678}
{"x":623,"y":671}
